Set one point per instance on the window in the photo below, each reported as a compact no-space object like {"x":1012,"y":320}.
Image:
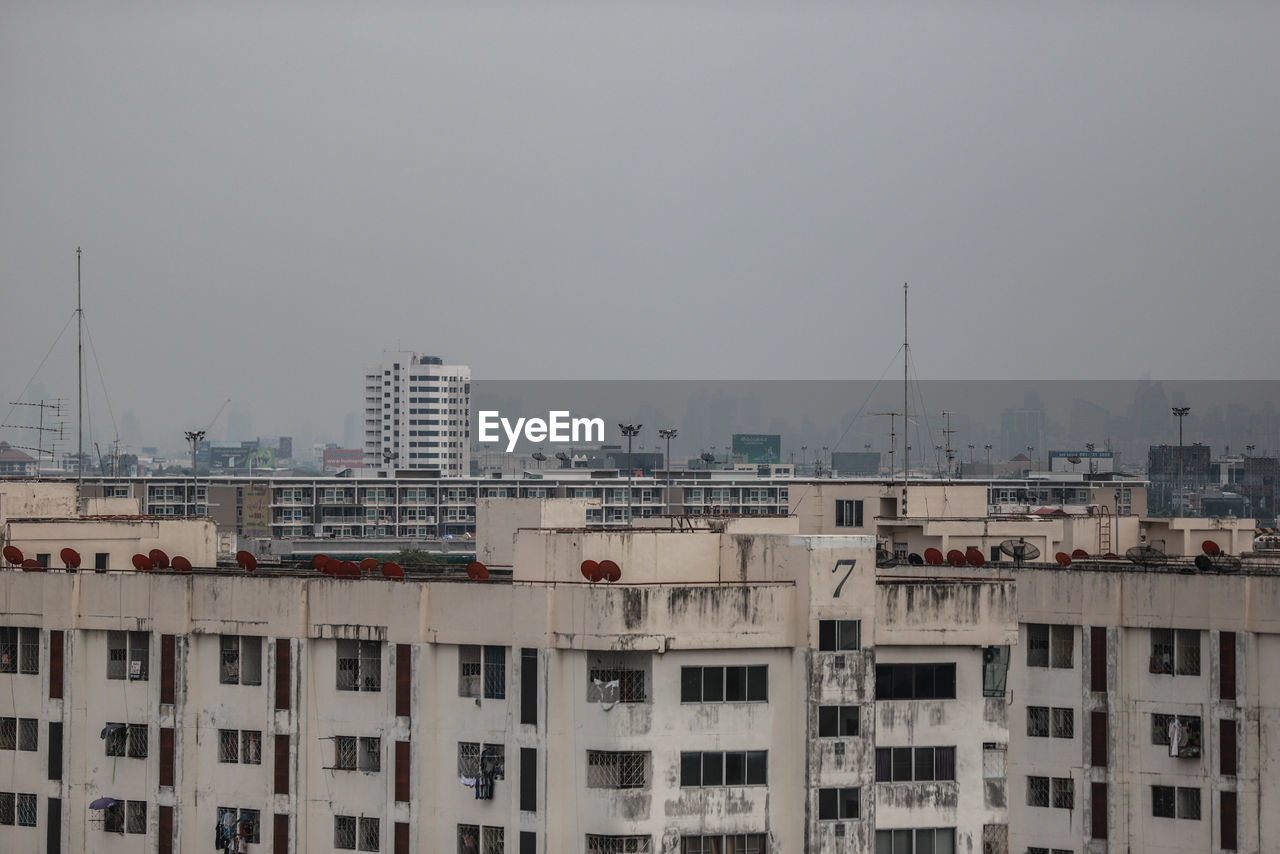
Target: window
{"x":19,"y":734}
{"x":939,"y":840}
{"x":848,"y":513}
{"x":493,"y":840}
{"x":839,"y":721}
{"x":19,"y":650}
{"x":135,"y":817}
{"x":344,"y":832}
{"x":838,"y":635}
{"x":1170,"y":802}
{"x":1098,"y":810}
{"x":1227,"y":672}
{"x":1227,"y":754}
{"x":128,"y":655}
{"x":370,"y":834}
{"x":995,"y":670}
{"x":915,"y":764}
{"x":243,"y":746}
{"x":1189,"y":803}
{"x":736,"y":843}
{"x":1037,"y":791}
{"x":1180,"y":732}
{"x":1175,"y":651}
{"x":614,"y":678}
{"x":838,"y":804}
{"x":482,"y":669}
{"x":1043,"y":721}
{"x":126,"y":740}
{"x":113,"y":818}
{"x":475,"y":758}
{"x":359,"y":665}
{"x":1064,"y":793}
{"x":622,"y":769}
{"x":1098,"y":739}
{"x":1229,"y":822}
{"x":597,"y":844}
{"x":1098,"y":658}
{"x":1050,"y":646}
{"x":241,"y":660}
{"x":915,"y":681}
{"x":249,"y":822}
{"x":737,"y":768}
{"x":729,"y":684}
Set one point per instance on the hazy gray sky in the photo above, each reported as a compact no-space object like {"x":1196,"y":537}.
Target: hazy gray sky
{"x":268,"y":195}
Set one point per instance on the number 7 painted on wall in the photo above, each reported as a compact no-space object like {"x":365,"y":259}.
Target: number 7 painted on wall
{"x":849,"y":562}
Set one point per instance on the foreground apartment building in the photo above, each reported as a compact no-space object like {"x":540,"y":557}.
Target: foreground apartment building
{"x":741,"y":687}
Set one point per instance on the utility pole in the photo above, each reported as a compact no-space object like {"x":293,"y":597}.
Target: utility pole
{"x":1180,"y":412}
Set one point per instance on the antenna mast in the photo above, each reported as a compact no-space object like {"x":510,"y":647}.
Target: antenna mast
{"x":906,"y":417}
{"x":79,"y":390}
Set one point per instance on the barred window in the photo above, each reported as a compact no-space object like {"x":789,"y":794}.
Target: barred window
{"x":1064,"y":723}
{"x":839,"y":721}
{"x":251,"y":747}
{"x":8,"y":733}
{"x":126,"y":740}
{"x":1038,"y":721}
{"x":1187,"y":652}
{"x":28,"y":734}
{"x":359,"y":665}
{"x":469,"y":671}
{"x":228,"y":745}
{"x":370,"y":834}
{"x":1037,"y":645}
{"x":1163,"y":802}
{"x":1161,"y":651}
{"x":29,"y":650}
{"x":468,"y":839}
{"x":493,"y":840}
{"x":736,"y":843}
{"x":617,"y":769}
{"x":1187,"y":730}
{"x":8,"y":650}
{"x":1061,"y":646}
{"x":597,"y":844}
{"x":344,"y":832}
{"x":370,"y":758}
{"x":6,"y":808}
{"x":128,"y":654}
{"x":241,"y":660}
{"x":344,"y":752}
{"x":469,"y":759}
{"x":135,"y":817}
{"x":251,"y":823}
{"x":495,"y":672}
{"x":1188,"y":803}
{"x":27,"y":810}
{"x":1037,"y":791}
{"x":1064,"y":793}
{"x":137,"y":741}
{"x":113,"y":818}
{"x":839,"y":804}
{"x":628,"y":670}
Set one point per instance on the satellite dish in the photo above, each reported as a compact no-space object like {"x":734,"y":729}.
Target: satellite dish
{"x":1020,"y":550}
{"x":141,"y":562}
{"x":159,"y":559}
{"x":1078,"y":554}
{"x":562,"y":456}
{"x":247,"y":561}
{"x":955,"y":557}
{"x":591,"y":570}
{"x":70,"y":558}
{"x":180,"y":564}
{"x":610,"y":571}
{"x":974,"y":557}
{"x":1111,"y":556}
{"x":915,"y":559}
{"x":932,"y":556}
{"x":32,"y":565}
{"x":477,"y":571}
{"x":707,"y":458}
{"x":538,"y":455}
{"x":348,"y":569}
{"x":392,"y":570}
{"x":1063,"y":559}
{"x":1075,"y":461}
{"x":1224,"y":562}
{"x":885,"y":558}
{"x":369,"y":564}
{"x":1210,"y":548}
{"x":13,"y":554}
{"x":319,"y":561}
{"x":1147,"y":557}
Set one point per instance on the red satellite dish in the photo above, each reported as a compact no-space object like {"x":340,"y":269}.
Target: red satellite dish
{"x":955,"y":557}
{"x":477,"y":571}
{"x":159,"y":559}
{"x":933,"y":557}
{"x":348,"y":569}
{"x":142,"y":562}
{"x":319,"y":561}
{"x":369,"y":564}
{"x":973,"y":557}
{"x":609,"y":571}
{"x":1111,"y":556}
{"x":180,"y":564}
{"x":1079,"y":553}
{"x":590,"y":570}
{"x":13,"y":554}
{"x":70,"y":558}
{"x":392,"y":570}
{"x":247,"y":561}
{"x":1210,"y":548}
{"x":1063,"y":559}
{"x":32,"y":565}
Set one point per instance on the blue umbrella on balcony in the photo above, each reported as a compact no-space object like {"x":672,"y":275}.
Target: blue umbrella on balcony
{"x":103,"y":803}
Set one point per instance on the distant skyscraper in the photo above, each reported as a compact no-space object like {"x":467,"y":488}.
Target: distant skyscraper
{"x":351,"y":431}
{"x":417,"y":414}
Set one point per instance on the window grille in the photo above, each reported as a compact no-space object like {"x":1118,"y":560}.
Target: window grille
{"x":1188,"y":803}
{"x":1038,"y":721}
{"x":616,"y":769}
{"x":1189,"y":735}
{"x":251,"y":747}
{"x":1188,"y":652}
{"x":1037,"y":645}
{"x":6,"y":808}
{"x":28,"y":734}
{"x":619,"y":844}
{"x":1064,"y":793}
{"x":1161,"y":651}
{"x":495,"y":672}
{"x":494,"y":840}
{"x":117,"y":739}
{"x":8,"y":733}
{"x":137,"y":741}
{"x":230,"y":669}
{"x":627,"y":672}
{"x":344,"y":832}
{"x":27,"y":810}
{"x":8,"y":649}
{"x":1064,"y":723}
{"x":370,"y":755}
{"x":344,"y":752}
{"x":1162,"y":802}
{"x":370,"y":834}
{"x":29,"y":651}
{"x":1037,"y":791}
{"x":117,"y":658}
{"x":113,"y":818}
{"x":228,"y":747}
{"x":1062,"y":645}
{"x":468,"y":759}
{"x":469,"y":671}
{"x":468,"y":839}
{"x":135,"y":817}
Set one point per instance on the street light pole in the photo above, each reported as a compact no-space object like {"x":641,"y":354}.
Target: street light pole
{"x":195,"y":437}
{"x":1180,"y":412}
{"x":668,"y":433}
{"x":630,"y":431}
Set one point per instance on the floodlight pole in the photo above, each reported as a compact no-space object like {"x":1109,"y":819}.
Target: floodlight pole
{"x":668,"y":433}
{"x":630,"y":431}
{"x":1180,"y":412}
{"x":195,"y":437}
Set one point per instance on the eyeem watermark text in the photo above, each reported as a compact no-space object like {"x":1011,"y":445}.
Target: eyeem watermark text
{"x":559,"y":426}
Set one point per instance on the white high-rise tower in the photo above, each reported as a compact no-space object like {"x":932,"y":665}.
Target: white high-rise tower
{"x":417,"y":414}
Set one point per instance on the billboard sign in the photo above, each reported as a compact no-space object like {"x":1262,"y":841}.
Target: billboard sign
{"x":757,"y":447}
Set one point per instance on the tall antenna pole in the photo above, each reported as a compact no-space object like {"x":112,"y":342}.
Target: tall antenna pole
{"x":79,"y":389}
{"x":906,"y":417}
